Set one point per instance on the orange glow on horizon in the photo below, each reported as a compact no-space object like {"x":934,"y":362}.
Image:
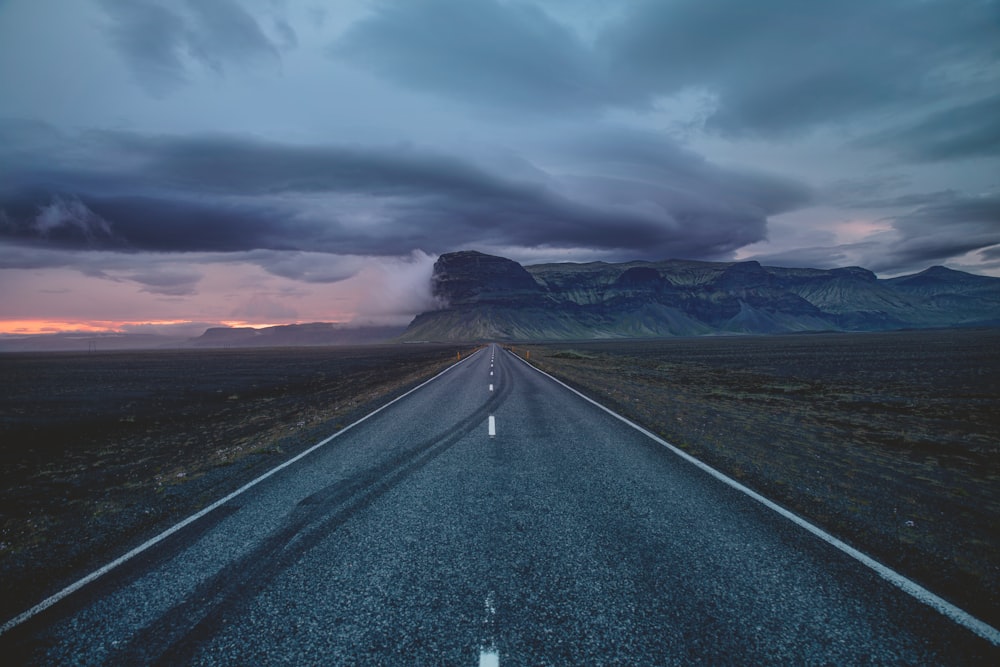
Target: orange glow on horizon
{"x":27,"y":327}
{"x":239,"y":324}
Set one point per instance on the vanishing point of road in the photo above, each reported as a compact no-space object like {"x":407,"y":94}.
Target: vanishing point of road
{"x":490,"y":516}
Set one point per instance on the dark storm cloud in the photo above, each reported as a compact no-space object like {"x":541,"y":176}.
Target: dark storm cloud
{"x":649,"y":158}
{"x":938,"y":227}
{"x":486,"y":52}
{"x":772,"y":67}
{"x":948,"y":227}
{"x":168,"y":223}
{"x":926,"y":228}
{"x":158,"y":38}
{"x":214,"y":193}
{"x":781,"y":65}
{"x":236,"y":165}
{"x":971,"y":130}
{"x":717,"y":210}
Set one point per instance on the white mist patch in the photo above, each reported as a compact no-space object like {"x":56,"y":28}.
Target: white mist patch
{"x":395,"y":290}
{"x":73,"y":214}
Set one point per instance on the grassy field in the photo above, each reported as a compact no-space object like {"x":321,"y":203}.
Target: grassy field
{"x":101,"y":451}
{"x":890,"y":441}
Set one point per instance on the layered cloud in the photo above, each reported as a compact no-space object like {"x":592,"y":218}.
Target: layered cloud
{"x":163,"y":149}
{"x":637,"y":194}
{"x":966,"y":131}
{"x":487,"y":52}
{"x":771,"y":68}
{"x":942,"y":227}
{"x":161,"y":41}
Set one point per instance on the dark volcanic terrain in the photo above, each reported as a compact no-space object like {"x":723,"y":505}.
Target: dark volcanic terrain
{"x":890,"y":441}
{"x":99,"y":452}
{"x":493,"y":298}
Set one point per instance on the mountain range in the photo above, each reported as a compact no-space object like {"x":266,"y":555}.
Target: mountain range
{"x":294,"y":335}
{"x":285,"y":335}
{"x":490,"y":297}
{"x":487,"y":297}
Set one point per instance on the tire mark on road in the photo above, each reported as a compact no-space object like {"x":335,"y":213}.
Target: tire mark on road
{"x":175,"y":636}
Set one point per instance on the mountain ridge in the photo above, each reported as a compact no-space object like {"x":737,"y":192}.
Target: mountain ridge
{"x":490,"y":297}
{"x":282,"y":335}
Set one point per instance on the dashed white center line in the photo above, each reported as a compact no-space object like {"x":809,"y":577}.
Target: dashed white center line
{"x":492,"y":427}
{"x":488,"y":655}
{"x":491,"y":387}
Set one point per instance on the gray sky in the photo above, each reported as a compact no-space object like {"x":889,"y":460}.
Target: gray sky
{"x":194,"y":161}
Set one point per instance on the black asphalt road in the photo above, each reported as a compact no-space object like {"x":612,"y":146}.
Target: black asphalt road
{"x":567,"y":539}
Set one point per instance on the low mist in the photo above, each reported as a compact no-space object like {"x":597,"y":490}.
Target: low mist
{"x":392,"y":291}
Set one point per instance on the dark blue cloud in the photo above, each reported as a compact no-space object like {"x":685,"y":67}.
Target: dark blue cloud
{"x":772,"y":67}
{"x":485,"y":52}
{"x":944,"y":227}
{"x":158,"y":39}
{"x":225,"y":193}
{"x":963,"y":131}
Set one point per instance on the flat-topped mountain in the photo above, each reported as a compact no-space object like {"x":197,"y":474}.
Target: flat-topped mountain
{"x":496,"y":298}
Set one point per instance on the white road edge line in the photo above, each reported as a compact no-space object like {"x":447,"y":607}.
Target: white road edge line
{"x":100,"y":572}
{"x":953,"y":612}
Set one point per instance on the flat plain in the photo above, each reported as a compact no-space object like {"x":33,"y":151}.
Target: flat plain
{"x":890,"y":441}
{"x":99,"y":452}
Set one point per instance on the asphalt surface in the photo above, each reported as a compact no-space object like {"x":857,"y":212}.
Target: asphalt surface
{"x":417,"y":538}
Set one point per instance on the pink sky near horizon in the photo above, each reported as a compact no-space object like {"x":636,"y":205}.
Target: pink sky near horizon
{"x":52,"y":300}
{"x":90,"y":299}
{"x":168,"y":166}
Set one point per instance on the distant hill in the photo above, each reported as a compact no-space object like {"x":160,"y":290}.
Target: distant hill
{"x":290,"y":335}
{"x":294,"y":335}
{"x":496,"y":298}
